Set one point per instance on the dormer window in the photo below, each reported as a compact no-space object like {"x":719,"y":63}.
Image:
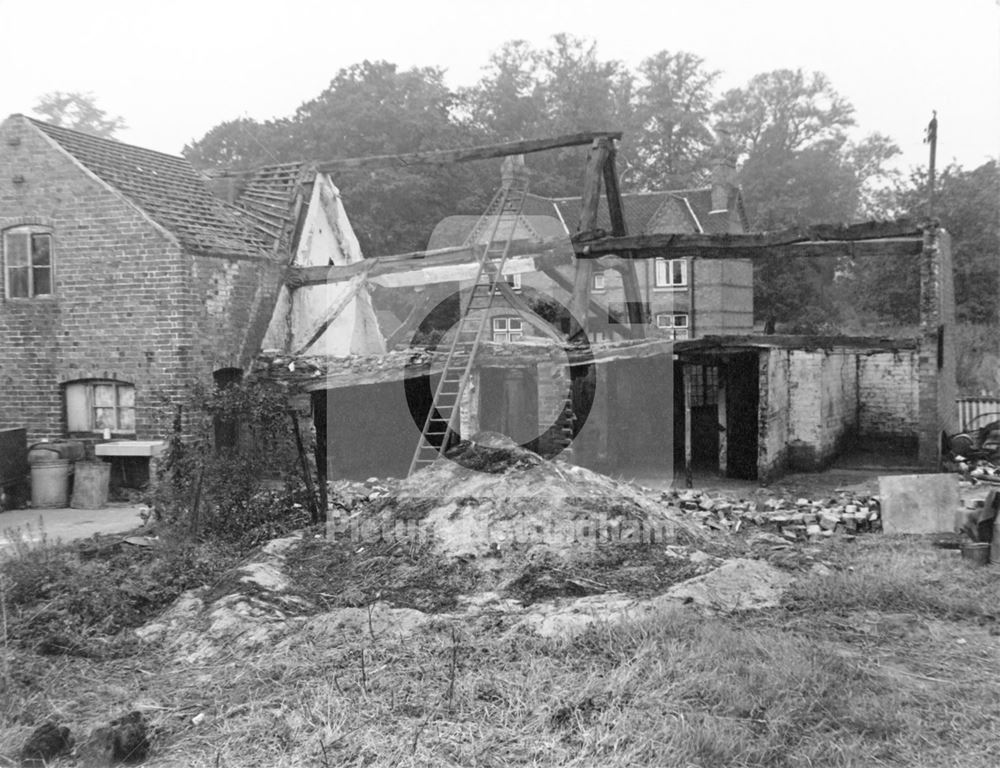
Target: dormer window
{"x":27,"y":258}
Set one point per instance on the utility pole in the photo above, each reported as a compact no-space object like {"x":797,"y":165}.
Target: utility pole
{"x":930,"y":137}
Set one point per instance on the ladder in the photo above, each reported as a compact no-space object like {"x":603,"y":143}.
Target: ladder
{"x":500,"y":223}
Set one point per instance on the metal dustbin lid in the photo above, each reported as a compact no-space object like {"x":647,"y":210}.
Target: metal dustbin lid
{"x":71,"y":450}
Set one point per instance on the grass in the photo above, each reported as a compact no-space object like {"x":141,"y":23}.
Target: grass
{"x":887,"y":661}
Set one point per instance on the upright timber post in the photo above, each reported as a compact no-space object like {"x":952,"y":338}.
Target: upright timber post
{"x":579,"y":304}
{"x":630,"y":283}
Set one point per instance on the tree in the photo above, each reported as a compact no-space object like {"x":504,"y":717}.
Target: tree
{"x":799,"y":168}
{"x":670,"y":123}
{"x":78,"y":111}
{"x":967,"y":204}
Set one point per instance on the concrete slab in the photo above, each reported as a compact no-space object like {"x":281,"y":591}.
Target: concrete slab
{"x":67,"y":524}
{"x":919,"y":503}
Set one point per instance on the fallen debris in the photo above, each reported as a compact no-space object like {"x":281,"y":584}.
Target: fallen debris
{"x":45,"y":743}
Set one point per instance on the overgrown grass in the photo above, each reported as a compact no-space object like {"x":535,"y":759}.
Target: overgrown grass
{"x":835,"y":679}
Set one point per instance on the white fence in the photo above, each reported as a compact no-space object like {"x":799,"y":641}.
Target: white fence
{"x":975,"y":412}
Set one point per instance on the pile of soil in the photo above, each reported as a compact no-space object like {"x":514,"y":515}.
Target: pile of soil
{"x":490,"y":496}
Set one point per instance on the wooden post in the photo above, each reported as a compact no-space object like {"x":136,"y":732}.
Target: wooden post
{"x":588,"y":222}
{"x":314,"y":515}
{"x":688,"y":479}
{"x":723,"y":423}
{"x":630,"y":283}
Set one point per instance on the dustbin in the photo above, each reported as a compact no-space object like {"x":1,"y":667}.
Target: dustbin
{"x":90,"y":484}
{"x":51,"y":450}
{"x":50,"y":483}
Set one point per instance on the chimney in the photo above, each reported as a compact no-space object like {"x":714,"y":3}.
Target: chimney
{"x":723,"y":164}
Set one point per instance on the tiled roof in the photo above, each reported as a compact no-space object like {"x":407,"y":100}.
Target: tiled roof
{"x":639,"y":208}
{"x":167,"y":188}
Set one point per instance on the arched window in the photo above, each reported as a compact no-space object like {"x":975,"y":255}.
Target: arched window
{"x":28,"y":262}
{"x":94,"y":405}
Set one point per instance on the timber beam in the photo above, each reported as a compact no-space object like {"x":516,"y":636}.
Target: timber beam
{"x":552,"y":251}
{"x":447,"y":156}
{"x":863,"y":239}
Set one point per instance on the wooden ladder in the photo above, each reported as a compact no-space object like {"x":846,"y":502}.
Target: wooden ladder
{"x":500,"y":222}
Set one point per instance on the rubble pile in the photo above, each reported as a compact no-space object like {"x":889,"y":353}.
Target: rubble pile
{"x":794,"y":519}
{"x":491,"y":496}
{"x":974,"y":470}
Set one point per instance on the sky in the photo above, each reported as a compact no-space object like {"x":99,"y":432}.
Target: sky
{"x":174,"y":69}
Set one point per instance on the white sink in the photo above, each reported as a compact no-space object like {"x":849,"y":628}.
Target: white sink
{"x":130,"y":448}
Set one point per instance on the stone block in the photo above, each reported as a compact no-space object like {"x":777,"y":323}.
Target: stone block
{"x":918,"y":503}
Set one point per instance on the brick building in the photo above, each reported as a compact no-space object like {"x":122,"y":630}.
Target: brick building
{"x":123,"y":280}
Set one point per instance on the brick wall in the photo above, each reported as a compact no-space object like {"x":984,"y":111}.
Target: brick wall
{"x":128,"y":304}
{"x":822,"y":406}
{"x":888,"y":405}
{"x":723,"y":297}
{"x":115,"y":311}
{"x":772,"y":417}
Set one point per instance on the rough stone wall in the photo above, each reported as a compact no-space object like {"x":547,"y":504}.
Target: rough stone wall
{"x":116,"y":311}
{"x":888,"y":404}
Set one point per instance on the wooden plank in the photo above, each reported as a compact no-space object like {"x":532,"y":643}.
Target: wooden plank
{"x":748,"y":250}
{"x":485,"y":152}
{"x":590,"y":201}
{"x":321,"y":325}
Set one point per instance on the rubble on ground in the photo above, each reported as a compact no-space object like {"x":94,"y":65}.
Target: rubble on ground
{"x":794,"y":519}
{"x":490,"y":496}
{"x":974,"y":470}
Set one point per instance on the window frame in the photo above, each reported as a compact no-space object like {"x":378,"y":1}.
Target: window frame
{"x":668,"y":282}
{"x":30,"y":232}
{"x":678,"y":331}
{"x":598,"y":283}
{"x":502,"y":330}
{"x":514,"y":281}
{"x":91,"y":407}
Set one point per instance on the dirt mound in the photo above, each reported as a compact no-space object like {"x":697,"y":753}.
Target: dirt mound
{"x":489,"y":496}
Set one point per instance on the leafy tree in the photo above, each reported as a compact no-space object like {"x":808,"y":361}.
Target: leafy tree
{"x":799,"y":168}
{"x":671,"y":121}
{"x":78,"y":111}
{"x":967,"y":203}
{"x":245,"y":143}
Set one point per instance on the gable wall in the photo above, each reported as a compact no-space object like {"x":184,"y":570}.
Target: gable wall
{"x":128,"y":303}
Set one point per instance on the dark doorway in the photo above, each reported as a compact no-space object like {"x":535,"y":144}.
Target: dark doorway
{"x":742,"y":401}
{"x":704,"y":392}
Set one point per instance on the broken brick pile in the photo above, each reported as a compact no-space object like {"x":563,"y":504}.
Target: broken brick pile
{"x":794,"y":519}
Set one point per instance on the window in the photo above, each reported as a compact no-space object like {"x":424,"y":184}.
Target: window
{"x":514,"y":281}
{"x":670,"y":273}
{"x":27,"y":253}
{"x":598,"y":284}
{"x":96,"y":405}
{"x":507,"y":329}
{"x":704,"y":380}
{"x":676,"y":325}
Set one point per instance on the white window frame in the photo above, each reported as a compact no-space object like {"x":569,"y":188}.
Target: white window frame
{"x":677,"y":325}
{"x":82,"y":406}
{"x":30,"y":232}
{"x":664,"y":276}
{"x":507,"y":329}
{"x":514,"y":281}
{"x":599,"y":284}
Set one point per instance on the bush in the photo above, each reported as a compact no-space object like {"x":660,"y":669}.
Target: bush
{"x":231,"y":467}
{"x":59,"y":597}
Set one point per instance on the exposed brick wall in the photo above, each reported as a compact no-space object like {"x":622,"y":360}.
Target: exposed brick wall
{"x":822,"y":412}
{"x":123,"y":306}
{"x":888,"y":405}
